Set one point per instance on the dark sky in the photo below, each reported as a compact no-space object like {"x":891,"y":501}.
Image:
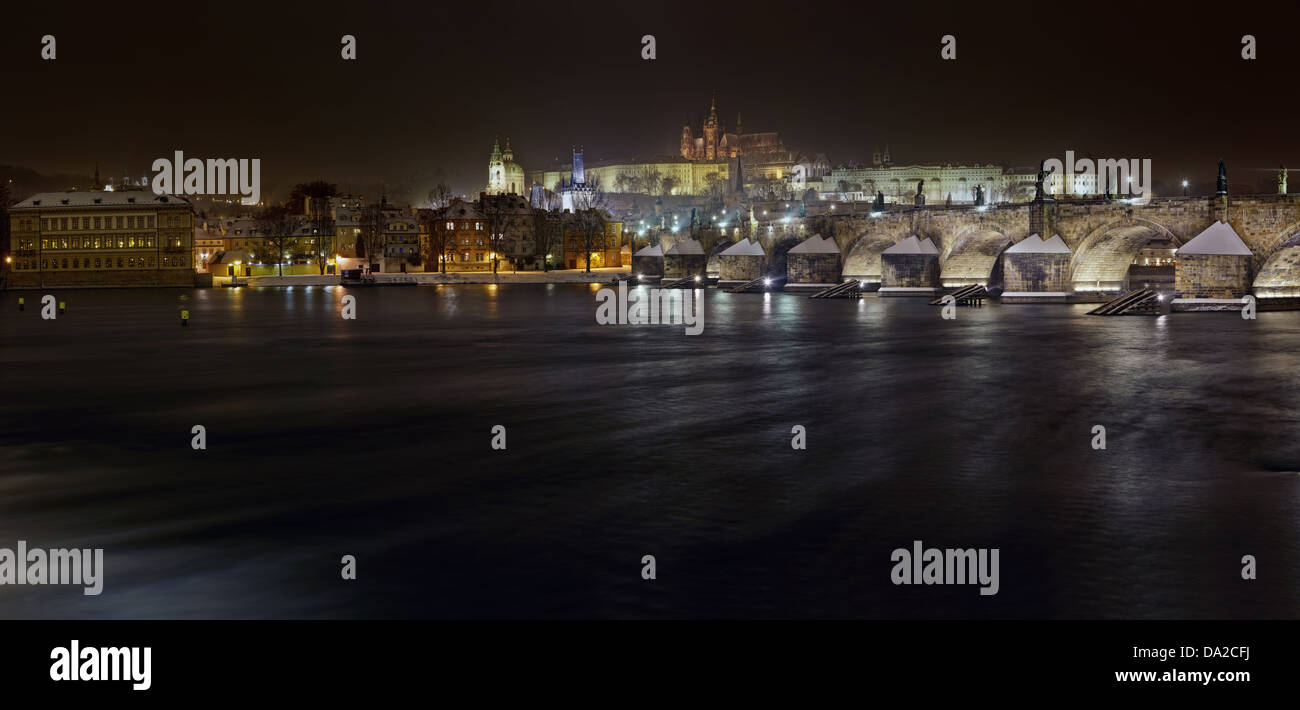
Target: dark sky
{"x":434,"y":83}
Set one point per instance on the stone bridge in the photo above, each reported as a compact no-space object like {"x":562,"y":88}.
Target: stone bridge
{"x":1104,"y":236}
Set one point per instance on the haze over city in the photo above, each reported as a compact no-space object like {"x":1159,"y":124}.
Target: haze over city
{"x":433,"y":84}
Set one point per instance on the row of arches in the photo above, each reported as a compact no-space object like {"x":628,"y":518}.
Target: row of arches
{"x":1102,"y":259}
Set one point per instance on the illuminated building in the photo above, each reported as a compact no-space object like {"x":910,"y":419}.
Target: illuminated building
{"x":89,"y":239}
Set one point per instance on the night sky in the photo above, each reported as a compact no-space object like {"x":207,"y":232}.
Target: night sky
{"x":433,"y":83}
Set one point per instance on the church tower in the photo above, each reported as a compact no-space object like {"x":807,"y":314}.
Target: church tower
{"x":711,"y":131}
{"x":579,"y":172}
{"x":688,"y":142}
{"x":496,"y":170}
{"x":875,"y":158}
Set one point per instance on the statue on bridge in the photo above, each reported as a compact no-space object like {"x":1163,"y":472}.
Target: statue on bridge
{"x":920,"y":196}
{"x":979,"y":195}
{"x":878,"y":205}
{"x":1281,"y":181}
{"x":1040,"y":194}
{"x":1221,"y":186}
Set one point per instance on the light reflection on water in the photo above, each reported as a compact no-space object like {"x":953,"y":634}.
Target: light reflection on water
{"x":370,"y":437}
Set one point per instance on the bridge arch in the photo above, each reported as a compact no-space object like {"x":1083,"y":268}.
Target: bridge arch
{"x":1103,"y":259}
{"x":776,"y":256}
{"x":862,"y":258}
{"x":1279,"y":275}
{"x":714,"y":265}
{"x":973,"y":255}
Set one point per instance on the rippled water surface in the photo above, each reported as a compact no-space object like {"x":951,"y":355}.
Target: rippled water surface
{"x":371,"y":438}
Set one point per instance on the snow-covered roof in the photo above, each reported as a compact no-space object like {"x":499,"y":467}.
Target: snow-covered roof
{"x":649,"y":250}
{"x":688,"y":247}
{"x":1219,"y":238}
{"x":815,"y":245}
{"x":1056,"y":245}
{"x":744,"y":247}
{"x":912,"y":245}
{"x":1034,"y":244}
{"x":230,"y":257}
{"x":120,"y":198}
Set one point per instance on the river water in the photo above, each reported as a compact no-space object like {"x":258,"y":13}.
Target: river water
{"x":372,"y":437}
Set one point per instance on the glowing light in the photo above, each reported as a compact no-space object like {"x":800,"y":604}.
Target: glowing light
{"x":767,"y":282}
{"x":697,"y":278}
{"x":1184,"y":183}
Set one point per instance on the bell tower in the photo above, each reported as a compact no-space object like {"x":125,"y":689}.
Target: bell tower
{"x":496,"y":170}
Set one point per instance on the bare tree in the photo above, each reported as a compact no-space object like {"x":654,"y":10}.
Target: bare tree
{"x":371,"y":240}
{"x":440,"y":196}
{"x":549,"y":228}
{"x":441,"y":241}
{"x":277,"y":225}
{"x":501,"y":213}
{"x":652,"y":179}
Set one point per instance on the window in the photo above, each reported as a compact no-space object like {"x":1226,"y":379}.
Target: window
{"x":99,"y":223}
{"x":45,"y":243}
{"x":150,"y":240}
{"x":65,"y":263}
{"x":118,"y":222}
{"x":150,"y":218}
{"x":96,"y":262}
{"x":63,"y":223}
{"x":119,"y":262}
{"x":167,"y":261}
{"x":44,"y":264}
{"x":130,"y":241}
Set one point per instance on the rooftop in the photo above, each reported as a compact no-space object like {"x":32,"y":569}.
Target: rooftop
{"x":1218,"y":238}
{"x":121,"y":198}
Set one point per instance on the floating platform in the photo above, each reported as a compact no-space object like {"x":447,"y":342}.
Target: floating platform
{"x":1206,"y":305}
{"x":926,"y":291}
{"x":1037,"y":297}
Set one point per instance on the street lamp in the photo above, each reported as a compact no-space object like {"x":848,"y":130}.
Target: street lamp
{"x":1184,"y":188}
